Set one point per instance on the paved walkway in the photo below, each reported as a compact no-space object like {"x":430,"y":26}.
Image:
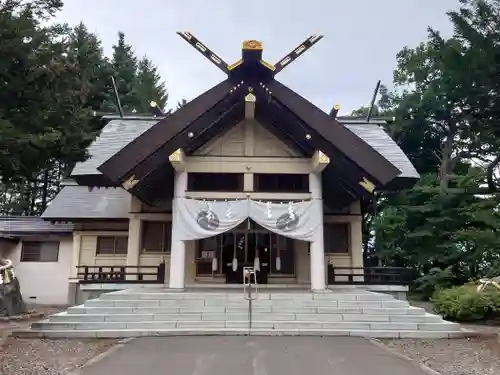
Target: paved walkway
{"x":251,"y":356}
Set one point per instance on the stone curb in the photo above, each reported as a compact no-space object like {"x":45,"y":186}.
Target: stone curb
{"x":478,"y":335}
{"x":120,"y":344}
{"x":22,"y":318}
{"x":426,"y":369}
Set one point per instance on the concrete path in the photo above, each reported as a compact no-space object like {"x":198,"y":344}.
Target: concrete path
{"x":251,"y":356}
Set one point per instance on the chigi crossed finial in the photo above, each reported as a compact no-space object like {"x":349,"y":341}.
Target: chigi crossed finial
{"x":251,"y":57}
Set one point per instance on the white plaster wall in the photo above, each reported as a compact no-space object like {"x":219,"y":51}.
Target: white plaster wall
{"x":45,"y":283}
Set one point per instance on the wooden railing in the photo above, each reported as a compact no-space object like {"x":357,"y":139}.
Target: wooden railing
{"x":122,"y":274}
{"x":369,"y":275}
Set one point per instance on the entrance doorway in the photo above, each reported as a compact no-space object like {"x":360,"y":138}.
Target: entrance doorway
{"x":276,"y":253}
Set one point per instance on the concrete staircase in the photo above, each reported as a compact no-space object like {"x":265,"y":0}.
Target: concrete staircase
{"x":351,"y":312}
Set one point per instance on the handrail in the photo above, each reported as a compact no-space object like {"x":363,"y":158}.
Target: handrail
{"x":248,"y":274}
{"x":369,"y":275}
{"x":121,"y":274}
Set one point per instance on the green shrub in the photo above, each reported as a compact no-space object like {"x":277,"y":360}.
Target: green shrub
{"x":464,"y":303}
{"x":434,"y":280}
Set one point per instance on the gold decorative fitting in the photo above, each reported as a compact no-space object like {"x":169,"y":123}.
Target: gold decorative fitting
{"x":252,"y":45}
{"x":250,"y":89}
{"x":235,"y":64}
{"x":130,"y":182}
{"x":323,"y":159}
{"x":336,"y":107}
{"x":176,"y":155}
{"x":250,"y":98}
{"x":268,"y":65}
{"x":367,"y":184}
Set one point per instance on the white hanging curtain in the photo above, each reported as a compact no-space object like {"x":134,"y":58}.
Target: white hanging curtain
{"x":297,"y":220}
{"x":195,"y":219}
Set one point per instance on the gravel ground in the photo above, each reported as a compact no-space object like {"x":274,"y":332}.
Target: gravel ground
{"x":45,"y":357}
{"x":478,"y":356}
{"x":48,"y":357}
{"x":453,"y":357}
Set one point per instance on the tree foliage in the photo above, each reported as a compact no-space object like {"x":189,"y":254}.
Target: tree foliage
{"x":445,"y":104}
{"x":52,"y":79}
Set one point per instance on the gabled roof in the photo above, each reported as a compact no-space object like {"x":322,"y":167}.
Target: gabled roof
{"x":354,"y":158}
{"x":118,"y":132}
{"x":354,"y":165}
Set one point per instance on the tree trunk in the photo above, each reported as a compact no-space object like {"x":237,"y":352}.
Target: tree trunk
{"x":490,"y":171}
{"x":45,"y":188}
{"x":446,"y":167}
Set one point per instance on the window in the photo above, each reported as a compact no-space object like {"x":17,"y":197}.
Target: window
{"x":281,"y":183}
{"x":215,"y":181}
{"x":40,"y":251}
{"x":112,"y":245}
{"x":156,"y":236}
{"x":336,"y":238}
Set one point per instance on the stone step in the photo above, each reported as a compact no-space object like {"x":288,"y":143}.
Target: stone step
{"x":119,"y":296}
{"x":244,"y":303}
{"x":221,"y":309}
{"x":122,"y":333}
{"x":276,"y":317}
{"x":163,"y":313}
{"x":153,"y":325}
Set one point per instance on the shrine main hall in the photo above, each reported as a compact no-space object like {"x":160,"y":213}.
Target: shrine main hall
{"x":248,"y":174}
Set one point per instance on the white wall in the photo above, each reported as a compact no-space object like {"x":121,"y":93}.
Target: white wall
{"x":45,"y":283}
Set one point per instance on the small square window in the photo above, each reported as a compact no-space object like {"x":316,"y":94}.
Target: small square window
{"x":156,"y":236}
{"x":112,"y":245}
{"x":39,"y":251}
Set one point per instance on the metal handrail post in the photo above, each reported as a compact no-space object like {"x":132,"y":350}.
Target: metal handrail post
{"x":248,"y":273}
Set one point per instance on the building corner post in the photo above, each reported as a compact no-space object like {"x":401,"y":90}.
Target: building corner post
{"x":178,"y":247}
{"x":317,"y":247}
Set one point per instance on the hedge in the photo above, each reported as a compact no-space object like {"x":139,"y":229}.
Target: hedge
{"x":465,"y":303}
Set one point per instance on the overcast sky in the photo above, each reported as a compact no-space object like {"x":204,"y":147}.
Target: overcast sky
{"x":361,"y":39}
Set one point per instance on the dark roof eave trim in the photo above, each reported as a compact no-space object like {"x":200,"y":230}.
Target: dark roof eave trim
{"x":353,"y":147}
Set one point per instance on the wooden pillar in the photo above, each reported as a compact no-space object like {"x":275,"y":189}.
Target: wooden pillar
{"x":134,"y":245}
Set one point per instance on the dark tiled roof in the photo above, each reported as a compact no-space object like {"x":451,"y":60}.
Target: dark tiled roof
{"x":78,"y":202}
{"x":10,"y":226}
{"x":119,"y":132}
{"x":114,"y":136}
{"x":377,"y":137}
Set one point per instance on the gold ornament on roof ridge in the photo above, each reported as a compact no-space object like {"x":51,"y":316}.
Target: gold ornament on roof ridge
{"x":252,"y":45}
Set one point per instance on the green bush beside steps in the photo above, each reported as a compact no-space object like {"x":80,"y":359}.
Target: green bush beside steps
{"x":464,"y":303}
